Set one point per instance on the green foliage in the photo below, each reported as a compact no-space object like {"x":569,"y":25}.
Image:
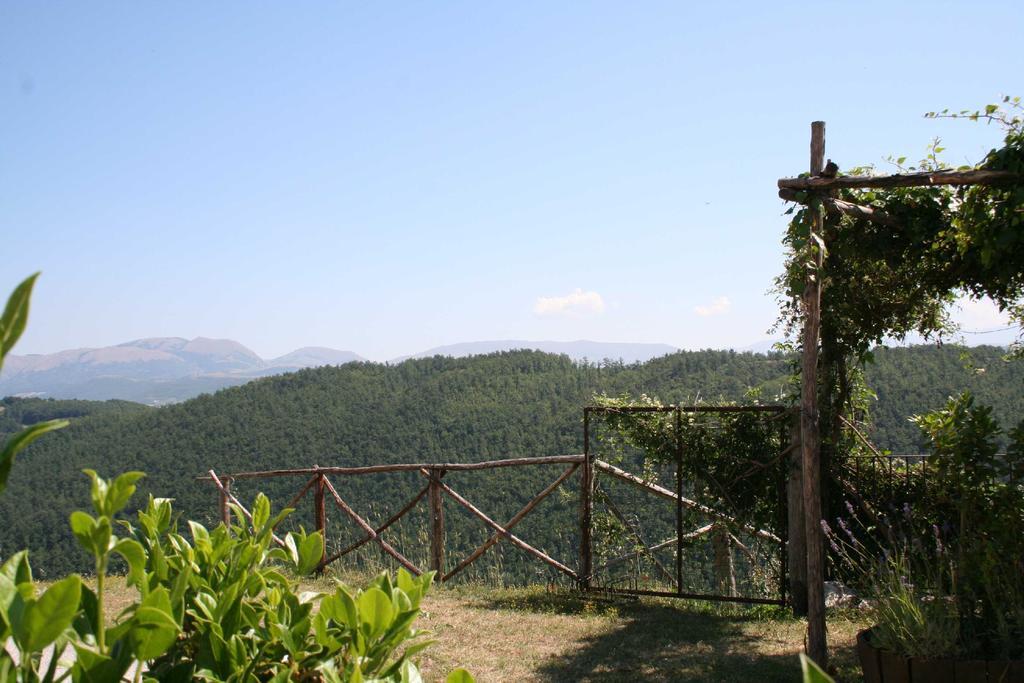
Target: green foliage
{"x":217,"y":607}
{"x":812,"y":673}
{"x":987,"y":231}
{"x":15,"y":315}
{"x":242,"y":619}
{"x":730,"y":460}
{"x":950,"y":579}
{"x":12,"y":324}
{"x":881,"y":282}
{"x":435,"y":409}
{"x":981,"y":491}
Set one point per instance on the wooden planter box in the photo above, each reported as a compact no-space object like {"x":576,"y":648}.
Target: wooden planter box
{"x":881,"y":666}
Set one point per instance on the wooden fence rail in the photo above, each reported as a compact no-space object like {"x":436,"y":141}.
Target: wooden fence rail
{"x":435,"y":491}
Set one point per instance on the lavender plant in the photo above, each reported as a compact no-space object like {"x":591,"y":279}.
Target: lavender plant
{"x":946,"y":577}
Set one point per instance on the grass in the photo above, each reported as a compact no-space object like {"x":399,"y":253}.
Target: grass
{"x":533,"y":634}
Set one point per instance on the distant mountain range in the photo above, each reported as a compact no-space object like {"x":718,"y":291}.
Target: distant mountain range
{"x":153,"y":371}
{"x":164,"y":370}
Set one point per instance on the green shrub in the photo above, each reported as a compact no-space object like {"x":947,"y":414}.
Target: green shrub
{"x":949,"y":578}
{"x":219,"y":607}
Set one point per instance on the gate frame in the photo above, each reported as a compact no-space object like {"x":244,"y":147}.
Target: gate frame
{"x":586,"y":571}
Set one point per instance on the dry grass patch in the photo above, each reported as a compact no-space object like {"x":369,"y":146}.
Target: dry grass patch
{"x":531,"y":634}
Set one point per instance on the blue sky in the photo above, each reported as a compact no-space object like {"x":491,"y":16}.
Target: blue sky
{"x":388,"y":177}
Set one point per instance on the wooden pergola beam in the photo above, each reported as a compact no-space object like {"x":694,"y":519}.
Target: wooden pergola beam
{"x":926,"y":179}
{"x":838,"y":207}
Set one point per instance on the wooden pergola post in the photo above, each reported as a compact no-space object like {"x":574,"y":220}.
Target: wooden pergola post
{"x":810,"y":446}
{"x":586,"y":507}
{"x":815,"y":191}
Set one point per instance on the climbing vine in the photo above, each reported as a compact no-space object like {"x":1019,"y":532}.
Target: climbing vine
{"x":886,"y":281}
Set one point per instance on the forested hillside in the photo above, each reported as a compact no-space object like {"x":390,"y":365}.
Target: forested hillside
{"x":434,"y":409}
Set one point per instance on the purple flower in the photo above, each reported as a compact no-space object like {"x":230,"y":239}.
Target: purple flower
{"x":825,"y":527}
{"x":849,"y":508}
{"x":906,"y":510}
{"x":846,"y":529}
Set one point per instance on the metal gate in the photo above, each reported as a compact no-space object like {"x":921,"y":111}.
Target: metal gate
{"x":685,"y":501}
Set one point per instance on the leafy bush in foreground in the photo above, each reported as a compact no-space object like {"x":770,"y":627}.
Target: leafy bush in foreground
{"x":217,"y":608}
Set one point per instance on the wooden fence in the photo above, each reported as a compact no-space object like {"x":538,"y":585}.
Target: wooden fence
{"x":317,"y":481}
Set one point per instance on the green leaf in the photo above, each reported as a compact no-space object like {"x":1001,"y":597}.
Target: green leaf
{"x":17,"y":569}
{"x":20,"y":441}
{"x":410,"y":673}
{"x":97,"y":491}
{"x":87,"y":622}
{"x":375,"y":611}
{"x":154,"y":628}
{"x":8,"y":591}
{"x":135,"y":555}
{"x":260,"y":512}
{"x":46,"y":618}
{"x":341,"y":609}
{"x":120,"y":491}
{"x":93,"y":667}
{"x":292,"y":548}
{"x":15,"y":316}
{"x":311,"y":551}
{"x":460,"y":676}
{"x":813,"y":672}
{"x":405,"y":581}
{"x":93,"y":534}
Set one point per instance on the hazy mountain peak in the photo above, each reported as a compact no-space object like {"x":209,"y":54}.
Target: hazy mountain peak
{"x":153,"y":370}
{"x":219,"y":347}
{"x":158,"y":343}
{"x":313,"y":356}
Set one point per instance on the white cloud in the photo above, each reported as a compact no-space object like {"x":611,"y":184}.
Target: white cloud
{"x":979,"y":315}
{"x":720,"y":305}
{"x":575,"y":303}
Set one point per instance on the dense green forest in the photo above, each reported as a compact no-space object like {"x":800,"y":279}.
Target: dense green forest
{"x":520,"y":403}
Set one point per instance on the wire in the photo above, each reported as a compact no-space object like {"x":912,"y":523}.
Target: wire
{"x":1001,"y":329}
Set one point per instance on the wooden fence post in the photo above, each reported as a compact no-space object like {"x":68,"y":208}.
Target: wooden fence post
{"x":320,"y":516}
{"x":817,"y":647}
{"x":225,"y":511}
{"x":436,"y":524}
{"x":586,"y":506}
{"x":796,"y":551}
{"x":725,"y":571}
